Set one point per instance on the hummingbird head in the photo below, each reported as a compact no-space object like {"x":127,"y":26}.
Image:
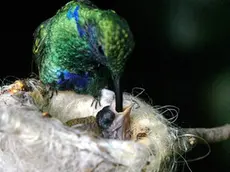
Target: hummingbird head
{"x":115,"y":43}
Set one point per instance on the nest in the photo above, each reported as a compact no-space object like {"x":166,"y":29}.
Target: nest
{"x":35,"y":137}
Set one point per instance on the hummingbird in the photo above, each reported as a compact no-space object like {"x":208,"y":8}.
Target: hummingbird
{"x":82,"y":48}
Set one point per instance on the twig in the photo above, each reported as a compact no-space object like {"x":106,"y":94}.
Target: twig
{"x":211,"y":135}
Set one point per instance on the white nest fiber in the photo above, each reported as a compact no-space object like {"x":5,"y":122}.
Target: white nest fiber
{"x":29,"y":142}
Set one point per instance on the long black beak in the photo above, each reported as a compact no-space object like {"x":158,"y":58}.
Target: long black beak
{"x":118,"y":94}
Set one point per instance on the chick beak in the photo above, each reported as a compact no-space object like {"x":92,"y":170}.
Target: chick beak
{"x":126,"y":122}
{"x":118,"y":94}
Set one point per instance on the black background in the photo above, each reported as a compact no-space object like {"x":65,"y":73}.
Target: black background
{"x":180,"y":46}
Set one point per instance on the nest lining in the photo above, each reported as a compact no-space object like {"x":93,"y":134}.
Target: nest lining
{"x":31,"y":142}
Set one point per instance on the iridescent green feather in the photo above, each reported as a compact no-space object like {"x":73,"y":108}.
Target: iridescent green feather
{"x":59,"y":46}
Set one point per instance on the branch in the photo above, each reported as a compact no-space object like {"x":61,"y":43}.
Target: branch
{"x":211,"y":135}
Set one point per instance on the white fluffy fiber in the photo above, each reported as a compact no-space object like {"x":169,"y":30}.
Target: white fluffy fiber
{"x":31,"y":143}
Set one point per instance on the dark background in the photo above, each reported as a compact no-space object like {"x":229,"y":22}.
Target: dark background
{"x":181,"y":58}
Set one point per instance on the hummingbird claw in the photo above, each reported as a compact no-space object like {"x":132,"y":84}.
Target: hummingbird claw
{"x":97,"y":102}
{"x":52,"y":90}
{"x":52,"y":94}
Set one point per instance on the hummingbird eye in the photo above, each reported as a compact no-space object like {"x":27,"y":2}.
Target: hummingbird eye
{"x":100,"y":50}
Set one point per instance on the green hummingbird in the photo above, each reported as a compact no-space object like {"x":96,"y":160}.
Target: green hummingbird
{"x":81,"y":48}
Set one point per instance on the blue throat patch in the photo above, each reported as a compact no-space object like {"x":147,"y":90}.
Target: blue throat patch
{"x":74,"y":81}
